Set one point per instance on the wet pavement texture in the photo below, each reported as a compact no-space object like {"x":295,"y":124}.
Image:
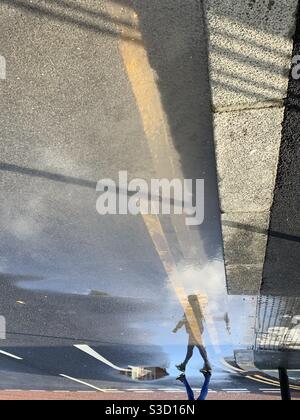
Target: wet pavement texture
{"x":90,"y":300}
{"x":281,"y":272}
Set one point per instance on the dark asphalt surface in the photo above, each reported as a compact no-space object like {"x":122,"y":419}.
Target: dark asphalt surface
{"x":282,"y":266}
{"x":69,"y":117}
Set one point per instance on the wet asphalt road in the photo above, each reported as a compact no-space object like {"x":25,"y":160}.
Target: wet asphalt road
{"x":73,"y":111}
{"x":285,"y":211}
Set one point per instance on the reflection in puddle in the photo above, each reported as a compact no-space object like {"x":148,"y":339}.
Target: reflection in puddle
{"x":278,"y":323}
{"x":193,"y":320}
{"x":141,"y":373}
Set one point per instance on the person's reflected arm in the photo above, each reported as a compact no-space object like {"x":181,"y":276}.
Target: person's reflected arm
{"x":180,"y":324}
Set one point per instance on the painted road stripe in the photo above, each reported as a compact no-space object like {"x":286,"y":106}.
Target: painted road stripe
{"x":112,"y":390}
{"x":37,"y":390}
{"x":260,"y":380}
{"x":81,"y":382}
{"x":13,"y":390}
{"x":117,"y":391}
{"x":88,"y":350}
{"x":170,"y":389}
{"x":269,"y":389}
{"x":235,"y":389}
{"x":271,"y":382}
{"x":231,"y":368}
{"x":10,"y":355}
{"x":144,"y":391}
{"x":271,"y":392}
{"x":152,"y":112}
{"x":237,"y":392}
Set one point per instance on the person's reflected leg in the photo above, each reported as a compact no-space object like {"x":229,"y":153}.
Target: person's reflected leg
{"x":189,"y":390}
{"x":204,"y":391}
{"x":189,"y":354}
{"x":204,"y":356}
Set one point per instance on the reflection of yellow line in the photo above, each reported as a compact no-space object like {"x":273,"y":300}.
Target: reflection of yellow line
{"x":271,"y":381}
{"x":259,"y":380}
{"x":147,"y":96}
{"x":161,"y":245}
{"x":268,"y":381}
{"x":231,"y":368}
{"x":166,"y":161}
{"x":144,"y":86}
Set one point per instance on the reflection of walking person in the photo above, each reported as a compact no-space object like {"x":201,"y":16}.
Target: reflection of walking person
{"x":194,"y":330}
{"x":204,"y":390}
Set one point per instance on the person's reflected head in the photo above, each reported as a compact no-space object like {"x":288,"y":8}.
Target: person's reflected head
{"x":196,"y":306}
{"x":192,"y":299}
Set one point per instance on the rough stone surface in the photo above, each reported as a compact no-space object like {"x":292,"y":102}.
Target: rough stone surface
{"x":247,"y":148}
{"x":245,"y":237}
{"x":250,"y":45}
{"x":244,"y":279}
{"x":250,"y":49}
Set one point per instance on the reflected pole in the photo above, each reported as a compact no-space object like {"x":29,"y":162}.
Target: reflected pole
{"x":284,"y":384}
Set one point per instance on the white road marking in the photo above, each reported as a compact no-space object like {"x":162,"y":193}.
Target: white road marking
{"x":37,"y":390}
{"x":111,"y":389}
{"x":272,"y":392}
{"x":269,"y":389}
{"x":238,"y":392}
{"x":143,"y":391}
{"x":10,"y":355}
{"x":13,"y":390}
{"x":115,"y":391}
{"x":170,"y":389}
{"x":231,"y":368}
{"x":139,"y":390}
{"x":88,"y":350}
{"x":235,"y":389}
{"x":81,"y":382}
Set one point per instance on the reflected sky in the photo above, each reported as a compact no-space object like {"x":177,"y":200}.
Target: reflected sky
{"x":120,"y":283}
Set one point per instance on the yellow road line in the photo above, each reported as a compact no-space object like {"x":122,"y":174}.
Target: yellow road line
{"x":166,"y":162}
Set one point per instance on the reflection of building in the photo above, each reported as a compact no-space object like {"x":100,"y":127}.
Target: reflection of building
{"x":278,"y":323}
{"x":141,"y":373}
{"x":276,"y":341}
